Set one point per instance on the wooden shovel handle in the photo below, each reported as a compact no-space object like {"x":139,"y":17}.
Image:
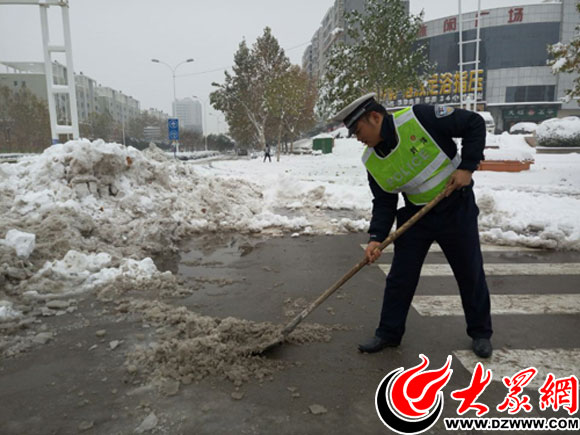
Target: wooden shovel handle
{"x":390,"y":239}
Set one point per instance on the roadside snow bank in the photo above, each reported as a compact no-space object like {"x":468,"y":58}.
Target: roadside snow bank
{"x":536,"y":208}
{"x":539,"y":207}
{"x":87,"y":216}
{"x":104,"y":197}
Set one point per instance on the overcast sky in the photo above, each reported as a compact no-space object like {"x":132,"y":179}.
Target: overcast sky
{"x":114,"y":40}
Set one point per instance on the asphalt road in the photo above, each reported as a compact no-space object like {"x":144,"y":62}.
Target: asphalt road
{"x":62,"y":387}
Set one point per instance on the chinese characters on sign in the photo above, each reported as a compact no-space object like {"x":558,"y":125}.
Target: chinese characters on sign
{"x":439,"y":88}
{"x":516,"y":15}
{"x":530,"y":114}
{"x":450,"y":25}
{"x":555,"y":393}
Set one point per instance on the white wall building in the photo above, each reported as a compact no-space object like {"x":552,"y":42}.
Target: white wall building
{"x":91,"y":97}
{"x":188,"y":112}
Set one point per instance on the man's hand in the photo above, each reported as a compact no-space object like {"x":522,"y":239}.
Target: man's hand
{"x":372,"y":252}
{"x":459,"y":179}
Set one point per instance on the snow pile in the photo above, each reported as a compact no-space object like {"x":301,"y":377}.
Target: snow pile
{"x":88,"y":216}
{"x":559,"y":132}
{"x":23,"y":243}
{"x":190,"y":347}
{"x":331,"y":192}
{"x":138,"y":202}
{"x":79,"y":273}
{"x":508,"y":147}
{"x":523,"y":128}
{"x":310,"y":185}
{"x":537,"y":208}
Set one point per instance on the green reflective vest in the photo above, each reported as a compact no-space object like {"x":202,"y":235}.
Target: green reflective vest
{"x":417,"y":166}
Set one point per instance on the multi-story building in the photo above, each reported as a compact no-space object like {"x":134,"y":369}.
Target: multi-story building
{"x":121,"y":107}
{"x":30,"y":75}
{"x":86,"y":96}
{"x":513,"y":81}
{"x":156,"y":113}
{"x":90,"y":96}
{"x":330,"y":32}
{"x":188,"y":112}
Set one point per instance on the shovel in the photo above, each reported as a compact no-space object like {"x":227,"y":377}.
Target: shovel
{"x":390,"y":239}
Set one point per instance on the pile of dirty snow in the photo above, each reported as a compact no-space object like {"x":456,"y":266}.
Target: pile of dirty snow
{"x":88,"y":216}
{"x":189,"y":347}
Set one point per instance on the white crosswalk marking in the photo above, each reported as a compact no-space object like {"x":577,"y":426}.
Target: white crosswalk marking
{"x":491,"y":269}
{"x":501,"y":304}
{"x":507,"y":362}
{"x":484,"y":248}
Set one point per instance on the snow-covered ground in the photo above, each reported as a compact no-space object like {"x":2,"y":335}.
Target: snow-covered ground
{"x":82,"y":215}
{"x":539,"y":207}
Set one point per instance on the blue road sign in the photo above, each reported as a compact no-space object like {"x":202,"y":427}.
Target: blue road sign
{"x":173,"y":127}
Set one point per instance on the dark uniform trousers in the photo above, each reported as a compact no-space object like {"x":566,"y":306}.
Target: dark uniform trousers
{"x":456,"y":231}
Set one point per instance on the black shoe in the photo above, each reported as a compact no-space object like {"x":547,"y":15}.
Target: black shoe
{"x":376,"y":344}
{"x":482,"y":347}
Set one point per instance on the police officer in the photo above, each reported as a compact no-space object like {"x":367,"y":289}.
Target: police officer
{"x":412,"y":152}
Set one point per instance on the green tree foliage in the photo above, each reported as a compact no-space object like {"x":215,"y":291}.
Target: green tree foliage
{"x":385,"y":54}
{"x":101,"y":126}
{"x":24,"y":122}
{"x":566,"y":59}
{"x":219,"y":142}
{"x":190,"y":140}
{"x":244,"y":95}
{"x":291,"y":99}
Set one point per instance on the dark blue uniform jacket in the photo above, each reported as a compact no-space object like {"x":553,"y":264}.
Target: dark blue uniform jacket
{"x":442,"y":126}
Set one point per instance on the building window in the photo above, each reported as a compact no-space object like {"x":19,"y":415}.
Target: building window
{"x":520,"y":94}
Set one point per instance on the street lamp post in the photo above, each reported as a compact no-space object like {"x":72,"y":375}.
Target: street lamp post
{"x":173,"y":69}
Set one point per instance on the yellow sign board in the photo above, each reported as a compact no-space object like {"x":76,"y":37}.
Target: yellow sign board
{"x":439,"y":87}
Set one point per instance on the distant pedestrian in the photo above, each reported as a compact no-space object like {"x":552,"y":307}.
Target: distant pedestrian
{"x":267,"y":153}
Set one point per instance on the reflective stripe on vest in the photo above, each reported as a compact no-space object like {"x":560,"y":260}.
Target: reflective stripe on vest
{"x":417,"y":166}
